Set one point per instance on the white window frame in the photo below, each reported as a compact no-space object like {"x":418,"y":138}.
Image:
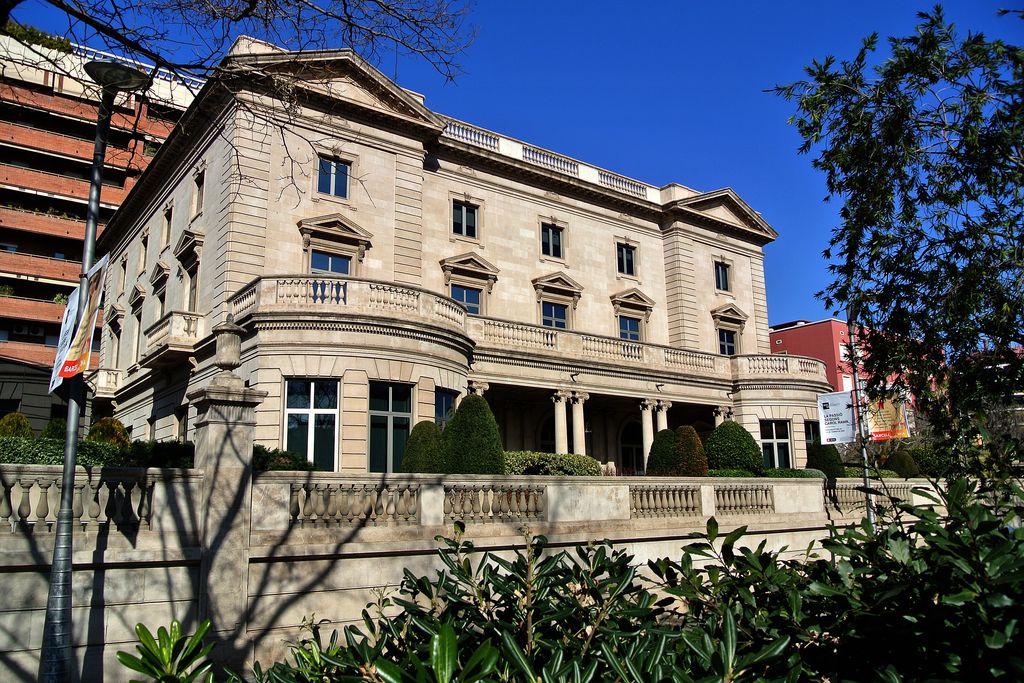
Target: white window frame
{"x":334,"y":161}
{"x":390,"y":415}
{"x":774,"y":441}
{"x":312,"y":412}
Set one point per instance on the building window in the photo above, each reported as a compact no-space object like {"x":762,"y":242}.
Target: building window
{"x":160,"y":302}
{"x":626,"y":258}
{"x":468,"y":297}
{"x":165,"y":235}
{"x":444,"y":406}
{"x":122,"y":275}
{"x":192,"y":292}
{"x":115,"y":348}
{"x":775,"y":443}
{"x":181,"y":424}
{"x":143,"y":251}
{"x":390,"y":418}
{"x":140,"y":338}
{"x":551,"y":240}
{"x":322,"y":263}
{"x":464,"y":219}
{"x":629,"y":328}
{"x":554,"y":315}
{"x":722,"y":276}
{"x":311,"y":420}
{"x":332,"y":177}
{"x":198,"y":193}
{"x":727,"y":342}
{"x":812,"y":432}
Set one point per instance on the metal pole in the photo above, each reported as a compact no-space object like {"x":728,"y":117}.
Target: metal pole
{"x":855,"y":362}
{"x":55,"y":658}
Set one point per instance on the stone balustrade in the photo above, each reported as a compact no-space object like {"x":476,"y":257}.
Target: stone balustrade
{"x":491,"y":502}
{"x":106,"y":381}
{"x":664,"y":500}
{"x":173,"y":337}
{"x":744,"y":499}
{"x":328,"y":503}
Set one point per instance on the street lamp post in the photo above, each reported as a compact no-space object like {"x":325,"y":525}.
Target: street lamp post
{"x":55,"y":658}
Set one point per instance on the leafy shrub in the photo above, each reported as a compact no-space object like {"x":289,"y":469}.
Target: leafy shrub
{"x":730,"y":473}
{"x":109,"y":430}
{"x":54,"y":429}
{"x":424,"y":451}
{"x":930,"y":461}
{"x":872,"y":472}
{"x":162,"y":454}
{"x":15,"y":424}
{"x":824,"y":457}
{"x":171,"y":657}
{"x":274,"y":459}
{"x":786,"y":473}
{"x":902,"y":463}
{"x":551,"y":464}
{"x":689,"y":453}
{"x":472,"y":443}
{"x":662,"y":459}
{"x":24,"y":451}
{"x":731,"y":447}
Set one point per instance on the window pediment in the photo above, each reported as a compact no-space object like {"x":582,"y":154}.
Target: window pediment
{"x":558,"y":284}
{"x":189,"y":249}
{"x":158,"y":277}
{"x":137,"y":296}
{"x":114,"y":316}
{"x":729,"y":314}
{"x":632,"y":300}
{"x":469,"y":266}
{"x":332,"y":231}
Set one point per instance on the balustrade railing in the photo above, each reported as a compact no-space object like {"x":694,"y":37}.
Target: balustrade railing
{"x":493,"y":502}
{"x":664,"y":500}
{"x":744,"y":499}
{"x":515,"y":334}
{"x":326,"y":504}
{"x":30,"y":500}
{"x":622,"y":184}
{"x":555,"y":162}
{"x":471,"y":134}
{"x":612,"y":348}
{"x":691,"y":360}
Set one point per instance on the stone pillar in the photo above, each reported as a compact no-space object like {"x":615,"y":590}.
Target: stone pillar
{"x":661,"y":410}
{"x":561,"y":438}
{"x":226,"y":418}
{"x":579,"y":432}
{"x":647,"y":423}
{"x":477,"y":387}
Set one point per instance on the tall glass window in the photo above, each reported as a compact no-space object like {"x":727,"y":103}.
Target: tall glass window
{"x":551,"y":240}
{"x":722,"y":276}
{"x":311,"y":420}
{"x":625,"y":255}
{"x":444,"y":406}
{"x":332,"y":177}
{"x":390,"y":421}
{"x":775,"y":443}
{"x":727,"y":342}
{"x":629,"y":328}
{"x":554,"y":315}
{"x":464,"y":219}
{"x":468,"y":297}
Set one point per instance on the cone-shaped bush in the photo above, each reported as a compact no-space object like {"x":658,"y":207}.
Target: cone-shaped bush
{"x":424,"y":452}
{"x":472,"y":444}
{"x":825,"y":457}
{"x":15,"y":424}
{"x":662,"y":460}
{"x":903,"y":464}
{"x":731,"y":447}
{"x":109,"y":430}
{"x":690,"y":458}
{"x":54,"y":429}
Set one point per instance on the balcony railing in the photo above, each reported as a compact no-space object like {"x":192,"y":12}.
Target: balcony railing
{"x":39,"y":266}
{"x":172,"y":338}
{"x":326,"y":294}
{"x":754,"y":367}
{"x":106,"y":382}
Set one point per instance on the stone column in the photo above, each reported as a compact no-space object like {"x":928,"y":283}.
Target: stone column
{"x":646,"y":421}
{"x":477,"y":387}
{"x":661,"y":410}
{"x":561,"y":438}
{"x":579,"y":433}
{"x":226,"y":418}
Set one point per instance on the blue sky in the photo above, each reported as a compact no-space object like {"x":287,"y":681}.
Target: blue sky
{"x":673,"y":92}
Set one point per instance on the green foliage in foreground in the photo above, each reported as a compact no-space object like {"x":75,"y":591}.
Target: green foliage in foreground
{"x":551,"y":464}
{"x":171,"y":657}
{"x":922,"y":596}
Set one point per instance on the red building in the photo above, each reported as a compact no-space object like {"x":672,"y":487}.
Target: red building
{"x":48,"y":110}
{"x":825,"y":340}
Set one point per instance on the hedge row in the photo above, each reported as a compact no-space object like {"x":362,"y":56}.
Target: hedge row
{"x":552,"y":464}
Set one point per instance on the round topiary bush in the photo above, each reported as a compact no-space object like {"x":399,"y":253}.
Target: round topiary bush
{"x":16,"y":425}
{"x":424,"y":452}
{"x":472,"y":444}
{"x":662,"y":459}
{"x":902,"y":463}
{"x":825,"y":457}
{"x":54,"y":429}
{"x":731,"y":447}
{"x":109,"y":430}
{"x":690,"y":458}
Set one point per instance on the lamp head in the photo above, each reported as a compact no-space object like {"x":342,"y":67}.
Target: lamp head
{"x":114,"y":76}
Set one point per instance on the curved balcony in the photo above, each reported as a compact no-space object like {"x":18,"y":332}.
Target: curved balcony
{"x":777,"y":368}
{"x":172,"y":339}
{"x":325,"y":295}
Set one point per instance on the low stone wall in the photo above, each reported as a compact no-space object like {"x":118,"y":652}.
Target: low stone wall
{"x":147,"y":548}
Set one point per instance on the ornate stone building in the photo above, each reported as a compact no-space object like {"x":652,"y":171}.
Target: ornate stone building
{"x":384,"y":260}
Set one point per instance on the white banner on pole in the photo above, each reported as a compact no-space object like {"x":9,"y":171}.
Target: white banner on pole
{"x":75,"y":346}
{"x":835,"y":411}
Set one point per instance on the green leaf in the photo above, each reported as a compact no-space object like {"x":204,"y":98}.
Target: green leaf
{"x":443,"y":653}
{"x":391,"y":673}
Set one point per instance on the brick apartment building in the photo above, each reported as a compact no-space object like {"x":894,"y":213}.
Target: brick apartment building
{"x":48,"y":110}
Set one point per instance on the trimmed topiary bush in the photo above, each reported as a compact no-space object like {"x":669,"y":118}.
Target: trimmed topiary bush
{"x":731,"y":447}
{"x":690,"y":458}
{"x":931,"y":462}
{"x":16,"y":425}
{"x":824,"y":457}
{"x":902,"y":463}
{"x":872,"y":472}
{"x":472,"y":444}
{"x":162,"y":454}
{"x":551,"y":464}
{"x":274,"y":459}
{"x":109,"y":430}
{"x":730,"y":473}
{"x":54,"y":429}
{"x":25,"y":451}
{"x":424,"y":452}
{"x":787,"y":473}
{"x":662,"y":459}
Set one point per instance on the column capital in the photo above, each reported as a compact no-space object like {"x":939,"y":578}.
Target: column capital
{"x":648,"y":404}
{"x":477,"y":387}
{"x":579,"y":396}
{"x":561,"y":396}
{"x":663,"y":405}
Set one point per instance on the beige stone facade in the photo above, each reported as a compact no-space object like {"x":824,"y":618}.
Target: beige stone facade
{"x":385,"y":260}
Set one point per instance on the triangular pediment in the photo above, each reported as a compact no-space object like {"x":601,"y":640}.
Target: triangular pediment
{"x":726,"y":209}
{"x":341,"y":76}
{"x":113,"y":315}
{"x":137,"y":296}
{"x":633,"y":298}
{"x":469,"y":262}
{"x":334,"y":225}
{"x":557,"y":281}
{"x":189,"y":247}
{"x":159,"y":273}
{"x":730,"y":313}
